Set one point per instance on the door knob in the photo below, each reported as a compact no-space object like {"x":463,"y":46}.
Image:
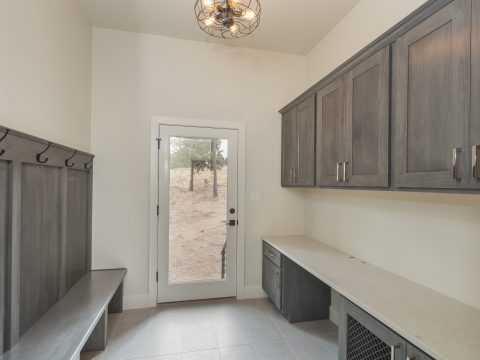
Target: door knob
{"x":230,"y":222}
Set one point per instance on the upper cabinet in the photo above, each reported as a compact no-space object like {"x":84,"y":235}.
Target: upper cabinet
{"x":353,"y":126}
{"x":298,"y":145}
{"x":432,"y":95}
{"x":367,"y":122}
{"x":331,"y":133}
{"x":474,"y":177}
{"x":418,"y":85}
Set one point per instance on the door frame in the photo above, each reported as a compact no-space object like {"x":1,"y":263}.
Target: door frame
{"x":156,"y":121}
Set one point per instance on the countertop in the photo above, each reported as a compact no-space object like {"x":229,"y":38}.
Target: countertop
{"x":441,"y":326}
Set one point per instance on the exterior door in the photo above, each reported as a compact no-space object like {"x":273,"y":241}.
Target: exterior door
{"x":197,"y":213}
{"x":367,"y":121}
{"x":432,"y":94}
{"x":330,"y":134}
{"x":289,"y":147}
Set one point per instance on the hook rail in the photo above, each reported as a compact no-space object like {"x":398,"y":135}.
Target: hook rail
{"x":2,"y":151}
{"x":39,"y":155}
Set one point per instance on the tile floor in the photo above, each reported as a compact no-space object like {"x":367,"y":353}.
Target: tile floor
{"x":216,"y":330}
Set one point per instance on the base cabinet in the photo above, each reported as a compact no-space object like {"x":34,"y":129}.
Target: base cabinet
{"x":362,"y":337}
{"x":299,"y":295}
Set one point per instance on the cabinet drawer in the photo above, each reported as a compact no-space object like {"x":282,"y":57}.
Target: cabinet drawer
{"x":272,"y":254}
{"x":272,"y":281}
{"x":361,"y":336}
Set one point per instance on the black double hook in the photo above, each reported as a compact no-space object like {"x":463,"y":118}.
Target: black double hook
{"x":89,"y":164}
{"x":39,"y":155}
{"x":2,"y":151}
{"x":68,"y":163}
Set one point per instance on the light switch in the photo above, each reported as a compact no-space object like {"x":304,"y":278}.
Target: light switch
{"x":255,"y":196}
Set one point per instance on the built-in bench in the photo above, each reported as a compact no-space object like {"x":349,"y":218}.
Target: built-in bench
{"x":440,"y":327}
{"x":77,"y":323}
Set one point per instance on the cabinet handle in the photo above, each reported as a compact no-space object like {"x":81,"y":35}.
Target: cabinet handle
{"x":345,"y":171}
{"x":277,"y":280}
{"x":295,"y":175}
{"x":412,"y":357}
{"x":475,"y":149}
{"x":455,"y":153}
{"x":392,"y":352}
{"x":338,"y":172}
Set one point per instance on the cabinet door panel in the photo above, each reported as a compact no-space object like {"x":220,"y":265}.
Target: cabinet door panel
{"x":431,"y":92}
{"x":289,"y":148}
{"x":367,"y":121}
{"x":475,"y":103}
{"x":330,"y":132}
{"x":305,"y":173}
{"x":271,"y":282}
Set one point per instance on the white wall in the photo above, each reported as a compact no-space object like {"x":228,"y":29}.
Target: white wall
{"x":136,"y":76}
{"x":45,"y":59}
{"x":433,"y":239}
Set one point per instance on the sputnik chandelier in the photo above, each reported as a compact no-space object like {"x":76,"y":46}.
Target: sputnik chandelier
{"x":228,"y":19}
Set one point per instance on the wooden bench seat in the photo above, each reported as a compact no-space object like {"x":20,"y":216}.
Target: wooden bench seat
{"x":77,"y":322}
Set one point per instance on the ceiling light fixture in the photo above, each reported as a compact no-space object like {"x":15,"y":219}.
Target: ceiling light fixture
{"x":228,"y":19}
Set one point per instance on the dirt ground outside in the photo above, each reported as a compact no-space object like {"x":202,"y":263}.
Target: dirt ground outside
{"x":197,"y":231}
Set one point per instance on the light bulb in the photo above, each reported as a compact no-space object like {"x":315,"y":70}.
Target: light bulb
{"x":249,"y":14}
{"x":208,"y":2}
{"x":234,"y":28}
{"x":208,"y":21}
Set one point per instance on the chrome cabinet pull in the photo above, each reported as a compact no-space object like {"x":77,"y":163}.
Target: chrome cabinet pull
{"x":277,"y":280}
{"x":345,"y":172}
{"x":338,"y":172}
{"x":475,"y":173}
{"x":455,"y":153}
{"x":392,"y":353}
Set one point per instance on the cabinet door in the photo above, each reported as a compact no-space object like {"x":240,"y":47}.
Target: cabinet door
{"x":415,"y":354}
{"x":271,"y":282}
{"x":367,"y":122}
{"x":475,"y":102}
{"x":330,"y":133}
{"x":289,"y":147}
{"x":361,"y":336}
{"x":431,"y":95}
{"x":305,"y":172}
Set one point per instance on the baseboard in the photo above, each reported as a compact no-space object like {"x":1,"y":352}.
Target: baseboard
{"x":252,"y":292}
{"x":135,"y":302}
{"x":334,"y":314}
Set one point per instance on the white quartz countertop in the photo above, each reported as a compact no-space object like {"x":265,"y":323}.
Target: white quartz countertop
{"x":443,"y":327}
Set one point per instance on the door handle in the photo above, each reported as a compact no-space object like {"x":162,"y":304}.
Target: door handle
{"x":475,"y":173}
{"x":455,"y":153}
{"x":230,"y":222}
{"x":345,"y":171}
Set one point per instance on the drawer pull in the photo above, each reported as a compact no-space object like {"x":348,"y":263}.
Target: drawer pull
{"x":345,"y":171}
{"x":455,"y":153}
{"x":475,"y":172}
{"x":338,"y":172}
{"x":392,"y":353}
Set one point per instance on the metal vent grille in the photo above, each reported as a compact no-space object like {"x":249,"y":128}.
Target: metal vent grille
{"x":362,"y":344}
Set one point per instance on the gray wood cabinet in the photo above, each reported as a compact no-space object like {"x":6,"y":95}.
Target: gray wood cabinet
{"x":272,"y":282}
{"x":361,"y":336}
{"x":353,"y":126}
{"x":431,"y":66}
{"x":474,"y":177}
{"x":298,"y":145}
{"x":367,"y":122}
{"x":330,"y":133}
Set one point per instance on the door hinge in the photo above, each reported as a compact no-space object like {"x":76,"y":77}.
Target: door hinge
{"x":158,"y":210}
{"x":158,"y":142}
{"x":156,"y":279}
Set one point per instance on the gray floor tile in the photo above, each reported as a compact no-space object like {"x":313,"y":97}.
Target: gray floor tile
{"x":244,"y":352}
{"x":273,"y":350}
{"x":128,"y":341}
{"x":202,"y":355}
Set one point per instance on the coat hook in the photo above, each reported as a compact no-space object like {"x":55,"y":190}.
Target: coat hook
{"x":2,"y":151}
{"x":39,"y":155}
{"x":89,"y":164}
{"x":68,"y":163}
